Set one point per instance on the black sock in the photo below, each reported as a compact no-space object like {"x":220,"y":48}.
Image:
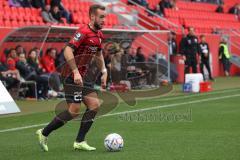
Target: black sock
{"x":57,"y":122}
{"x":86,"y":123}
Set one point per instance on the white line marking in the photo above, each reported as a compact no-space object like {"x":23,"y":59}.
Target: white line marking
{"x":132,"y":111}
{"x":196,"y":95}
{"x":172,"y":105}
{"x":22,"y":128}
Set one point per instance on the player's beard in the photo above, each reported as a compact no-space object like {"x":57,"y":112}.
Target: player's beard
{"x":97,"y":26}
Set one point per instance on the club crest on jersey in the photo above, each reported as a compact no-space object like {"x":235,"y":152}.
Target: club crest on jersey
{"x":77,"y":36}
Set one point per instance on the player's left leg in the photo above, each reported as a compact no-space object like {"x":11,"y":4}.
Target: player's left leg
{"x":92,"y":102}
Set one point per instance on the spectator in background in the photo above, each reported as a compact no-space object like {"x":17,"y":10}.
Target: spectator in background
{"x":12,"y":59}
{"x":125,"y":59}
{"x":220,"y":9}
{"x":14,"y":3}
{"x":148,"y":69}
{"x":19,"y":49}
{"x":27,"y":73}
{"x":25,"y":3}
{"x":42,"y":77}
{"x":235,"y":9}
{"x":62,"y":10}
{"x":32,"y":60}
{"x":25,"y":70}
{"x":172,"y":43}
{"x":3,"y":56}
{"x":48,"y":63}
{"x":38,"y":3}
{"x":189,"y":50}
{"x":204,"y":53}
{"x":9,"y":78}
{"x":115,"y":62}
{"x":48,"y":60}
{"x":60,"y":60}
{"x":224,"y":55}
{"x":165,"y":4}
{"x":39,"y":52}
{"x":139,"y":56}
{"x":158,"y":11}
{"x":47,"y":16}
{"x":56,"y":14}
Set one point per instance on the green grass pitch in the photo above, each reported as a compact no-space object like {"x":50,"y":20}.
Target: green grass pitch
{"x":180,"y":127}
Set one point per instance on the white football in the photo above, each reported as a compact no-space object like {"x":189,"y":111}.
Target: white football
{"x":113,"y":142}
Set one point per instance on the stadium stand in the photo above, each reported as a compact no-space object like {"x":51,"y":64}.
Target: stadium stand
{"x":190,"y":14}
{"x":20,"y":16}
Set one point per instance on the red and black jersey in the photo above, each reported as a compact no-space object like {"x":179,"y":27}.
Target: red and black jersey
{"x":85,"y":43}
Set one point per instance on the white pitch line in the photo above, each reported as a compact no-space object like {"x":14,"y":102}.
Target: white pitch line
{"x":132,"y":111}
{"x":22,"y":128}
{"x":196,"y":95}
{"x":172,"y":105}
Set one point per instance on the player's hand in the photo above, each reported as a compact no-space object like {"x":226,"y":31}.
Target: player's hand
{"x":104,"y":81}
{"x":77,"y":78}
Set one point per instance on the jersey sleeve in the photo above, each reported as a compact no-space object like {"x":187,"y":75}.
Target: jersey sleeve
{"x":77,"y":39}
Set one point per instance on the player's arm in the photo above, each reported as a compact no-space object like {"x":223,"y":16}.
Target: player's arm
{"x":74,"y":43}
{"x":69,"y":56}
{"x":102,"y":67}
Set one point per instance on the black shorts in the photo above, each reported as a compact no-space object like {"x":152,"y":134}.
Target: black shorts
{"x":74,"y":93}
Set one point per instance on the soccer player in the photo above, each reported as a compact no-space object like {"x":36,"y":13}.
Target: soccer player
{"x":79,"y":53}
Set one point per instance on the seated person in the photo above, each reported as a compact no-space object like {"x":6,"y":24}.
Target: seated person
{"x":12,"y":59}
{"x":43,"y":77}
{"x":9,"y":78}
{"x":47,"y":15}
{"x":63,"y":11}
{"x":129,"y":68}
{"x":28,"y":73}
{"x":48,"y":64}
{"x":56,"y":14}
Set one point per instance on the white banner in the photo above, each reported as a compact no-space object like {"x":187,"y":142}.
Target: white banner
{"x":7,"y":104}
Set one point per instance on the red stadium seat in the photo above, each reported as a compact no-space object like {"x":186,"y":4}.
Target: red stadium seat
{"x":15,"y":24}
{"x":7,"y":23}
{"x":21,"y":23}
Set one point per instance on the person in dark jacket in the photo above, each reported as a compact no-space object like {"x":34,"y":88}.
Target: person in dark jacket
{"x":62,"y":9}
{"x":164,"y":4}
{"x":189,"y":50}
{"x":47,"y":15}
{"x":204,"y":53}
{"x":38,"y":3}
{"x":172,"y":43}
{"x":29,"y":72}
{"x":220,"y":8}
{"x":235,"y":9}
{"x":56,"y":14}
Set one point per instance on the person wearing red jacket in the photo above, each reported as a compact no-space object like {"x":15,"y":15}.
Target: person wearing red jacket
{"x":12,"y":59}
{"x":48,"y":64}
{"x":48,"y":60}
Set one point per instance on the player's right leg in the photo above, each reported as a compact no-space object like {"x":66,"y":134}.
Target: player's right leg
{"x":57,"y":122}
{"x":73,"y":95}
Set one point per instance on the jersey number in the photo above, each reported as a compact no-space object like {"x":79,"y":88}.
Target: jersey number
{"x":77,"y":96}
